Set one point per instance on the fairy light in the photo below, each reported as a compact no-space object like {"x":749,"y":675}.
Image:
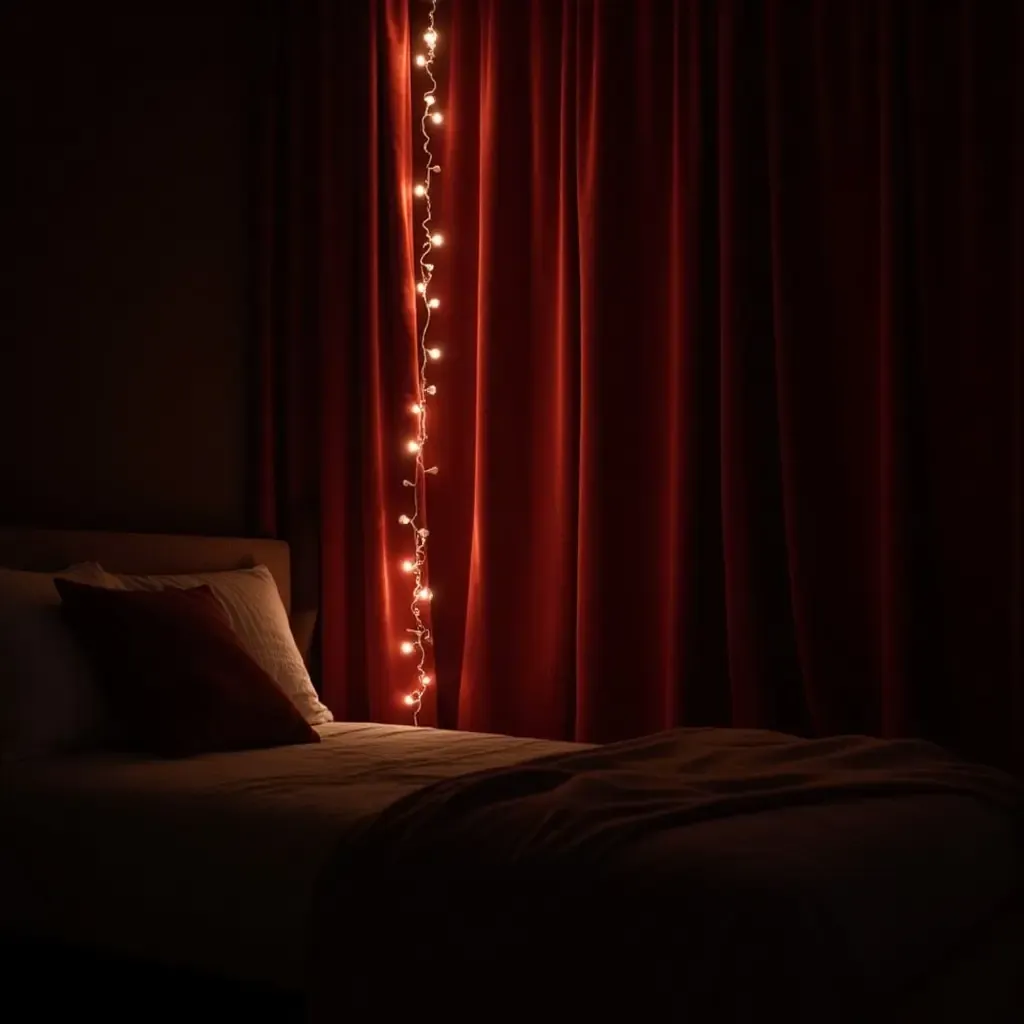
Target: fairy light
{"x":415,"y":564}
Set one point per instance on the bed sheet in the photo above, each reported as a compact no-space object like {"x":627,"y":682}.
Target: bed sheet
{"x":712,"y":874}
{"x":212,"y":862}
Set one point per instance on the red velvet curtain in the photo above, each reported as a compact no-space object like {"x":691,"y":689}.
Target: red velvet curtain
{"x":728,"y":422}
{"x":337,"y":315}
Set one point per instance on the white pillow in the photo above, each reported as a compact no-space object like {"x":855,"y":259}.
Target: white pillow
{"x":253,"y":604}
{"x":48,"y":703}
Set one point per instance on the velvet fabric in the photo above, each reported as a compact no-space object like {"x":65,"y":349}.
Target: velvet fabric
{"x":174,"y":678}
{"x":728,"y":421}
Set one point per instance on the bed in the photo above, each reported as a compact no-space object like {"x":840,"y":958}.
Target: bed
{"x":700,"y":874}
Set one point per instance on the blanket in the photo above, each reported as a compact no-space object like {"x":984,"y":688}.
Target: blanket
{"x":695,"y":874}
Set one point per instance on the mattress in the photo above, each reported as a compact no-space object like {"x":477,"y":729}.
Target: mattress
{"x":211,"y":863}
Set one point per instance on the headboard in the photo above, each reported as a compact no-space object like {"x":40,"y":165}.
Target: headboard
{"x":144,"y":553}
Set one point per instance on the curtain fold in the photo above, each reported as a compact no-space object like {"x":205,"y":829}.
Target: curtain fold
{"x":728,"y":421}
{"x":337,"y":317}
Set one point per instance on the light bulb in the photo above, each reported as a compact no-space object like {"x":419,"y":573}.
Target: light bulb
{"x":437,"y":240}
{"x":426,"y":680}
{"x":434,"y":303}
{"x":437,"y":117}
{"x":434,"y":353}
{"x":429,"y":100}
{"x":430,"y":37}
{"x":419,"y":191}
{"x":420,"y":60}
{"x":408,"y":648}
{"x":421,"y":287}
{"x":408,"y":565}
{"x":413,"y":447}
{"x":410,"y":700}
{"x":415,"y":408}
{"x":424,"y":594}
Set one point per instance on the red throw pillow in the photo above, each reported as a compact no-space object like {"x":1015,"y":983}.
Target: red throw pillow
{"x":175,"y":677}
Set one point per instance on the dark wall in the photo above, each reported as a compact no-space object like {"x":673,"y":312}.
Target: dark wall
{"x":125,"y":324}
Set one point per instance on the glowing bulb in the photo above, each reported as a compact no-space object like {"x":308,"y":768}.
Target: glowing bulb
{"x":415,"y":564}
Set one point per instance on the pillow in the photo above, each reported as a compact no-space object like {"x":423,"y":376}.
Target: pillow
{"x":176,"y":679}
{"x":48,"y":700}
{"x":257,"y":614}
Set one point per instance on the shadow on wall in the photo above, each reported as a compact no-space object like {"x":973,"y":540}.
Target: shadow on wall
{"x":123,"y":387}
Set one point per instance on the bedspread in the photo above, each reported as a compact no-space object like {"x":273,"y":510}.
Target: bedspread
{"x":691,"y":873}
{"x":209,"y":863}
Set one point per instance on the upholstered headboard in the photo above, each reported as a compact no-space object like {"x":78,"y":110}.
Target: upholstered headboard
{"x":50,"y":550}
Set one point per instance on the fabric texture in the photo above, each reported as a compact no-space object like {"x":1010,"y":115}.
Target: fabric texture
{"x":175,"y":678}
{"x":709,"y":874}
{"x":256,"y":613}
{"x":213,"y":862}
{"x":728,"y":423}
{"x":251,"y":849}
{"x":48,"y":700}
{"x":336,"y":322}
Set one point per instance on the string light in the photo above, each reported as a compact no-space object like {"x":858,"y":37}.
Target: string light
{"x":415,"y":564}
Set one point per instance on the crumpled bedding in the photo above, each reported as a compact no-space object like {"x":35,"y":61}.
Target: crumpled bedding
{"x":699,"y":874}
{"x":210,"y":863}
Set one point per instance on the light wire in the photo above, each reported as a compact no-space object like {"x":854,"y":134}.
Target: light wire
{"x":420,"y":637}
